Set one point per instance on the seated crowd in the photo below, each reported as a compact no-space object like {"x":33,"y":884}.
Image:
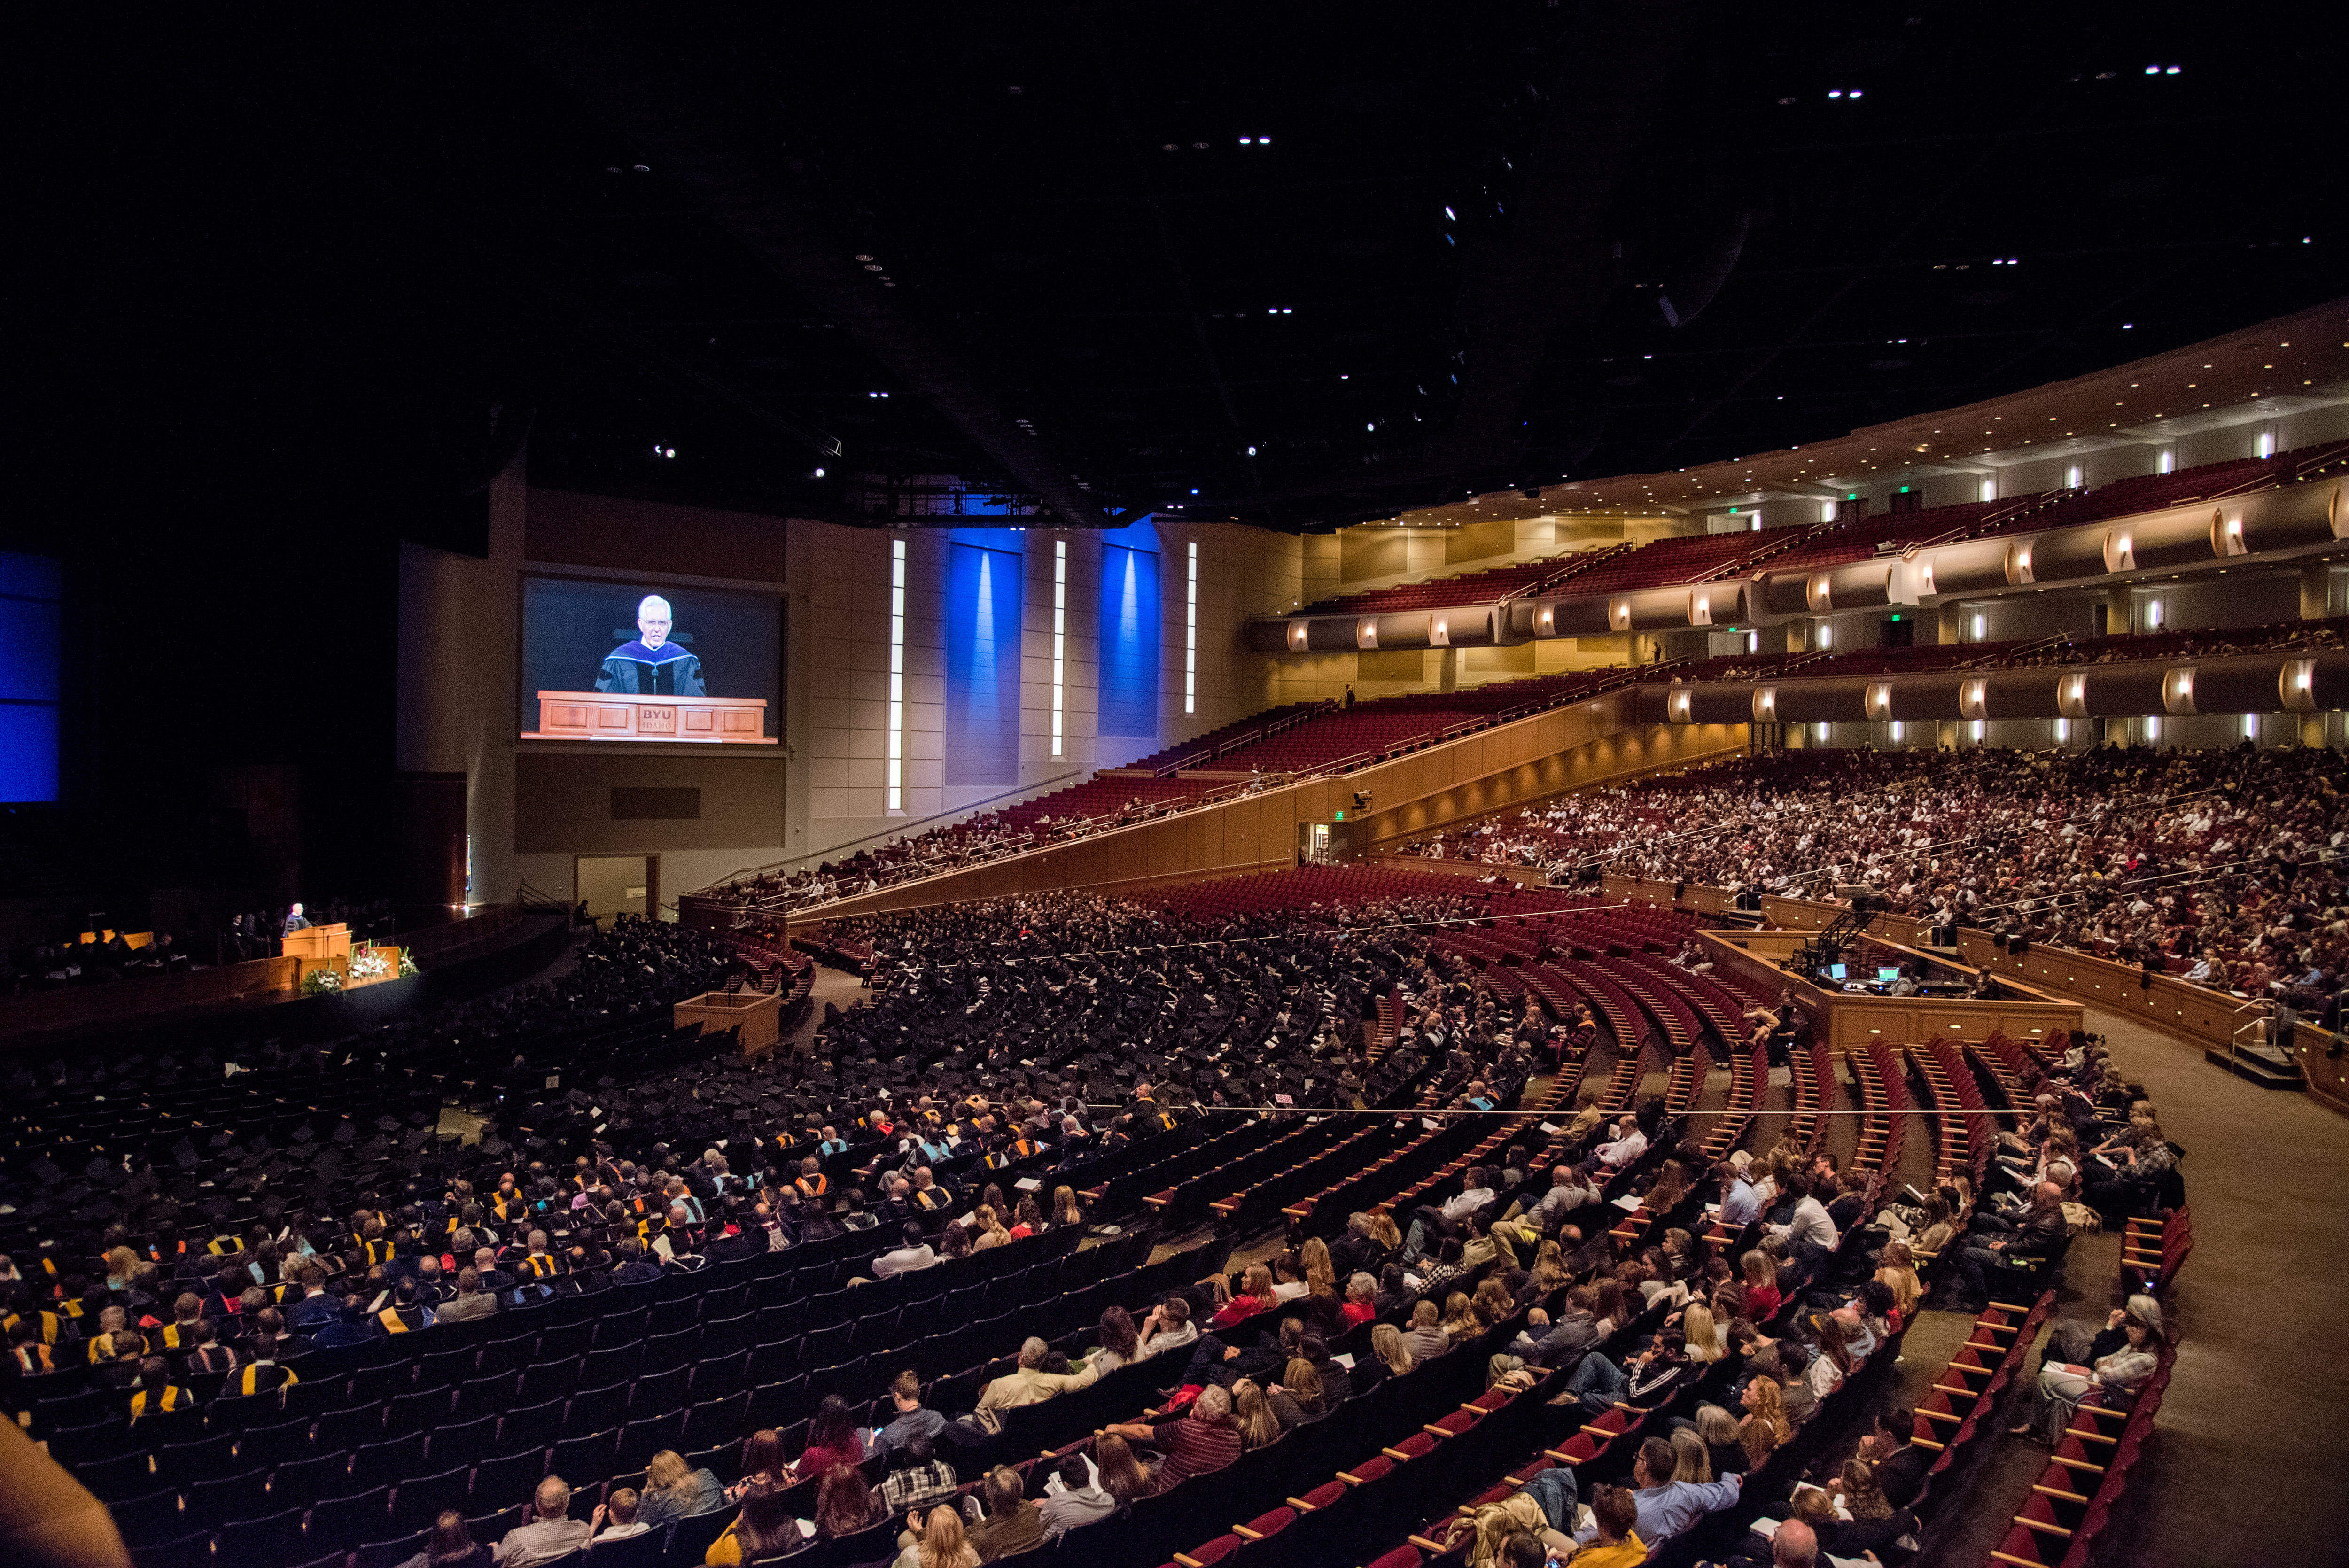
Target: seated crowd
{"x":2225,"y":868}
{"x":1040,"y":1033}
{"x":242,"y":1260}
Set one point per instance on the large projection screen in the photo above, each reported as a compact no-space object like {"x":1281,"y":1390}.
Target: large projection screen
{"x":672,"y":654}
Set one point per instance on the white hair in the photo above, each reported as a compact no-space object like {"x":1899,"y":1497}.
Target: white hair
{"x":649,"y":601}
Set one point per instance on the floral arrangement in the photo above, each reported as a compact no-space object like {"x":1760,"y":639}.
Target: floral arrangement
{"x":366,"y":964}
{"x":321,"y":981}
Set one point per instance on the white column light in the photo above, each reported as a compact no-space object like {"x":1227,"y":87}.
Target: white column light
{"x":1059,"y":641}
{"x":897,"y":774}
{"x":1191,"y":635}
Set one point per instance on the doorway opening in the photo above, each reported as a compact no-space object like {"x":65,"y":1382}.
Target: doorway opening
{"x":616,"y":884}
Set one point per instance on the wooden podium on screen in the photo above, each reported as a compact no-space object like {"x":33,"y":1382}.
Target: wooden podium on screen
{"x":617,"y":716}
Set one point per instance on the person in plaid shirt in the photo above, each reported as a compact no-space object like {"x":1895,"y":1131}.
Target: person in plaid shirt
{"x":917,"y":1478}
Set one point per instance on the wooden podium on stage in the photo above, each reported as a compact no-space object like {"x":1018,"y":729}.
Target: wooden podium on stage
{"x":316,"y":943}
{"x":758,"y":1015}
{"x":617,"y":716}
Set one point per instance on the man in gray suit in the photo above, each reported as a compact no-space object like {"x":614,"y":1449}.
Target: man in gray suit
{"x":470,"y":1300}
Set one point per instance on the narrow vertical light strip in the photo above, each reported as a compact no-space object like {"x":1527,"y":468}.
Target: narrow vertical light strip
{"x":897,"y":776}
{"x":1059,"y":640}
{"x":1191,"y":635}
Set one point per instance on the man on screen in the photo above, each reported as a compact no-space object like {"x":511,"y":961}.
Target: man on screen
{"x":652,"y":665}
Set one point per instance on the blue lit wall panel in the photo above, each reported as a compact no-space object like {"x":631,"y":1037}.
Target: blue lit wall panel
{"x":28,"y":751}
{"x":1129,"y":641}
{"x":982,"y":718}
{"x":32,"y":630}
{"x":32,"y":627}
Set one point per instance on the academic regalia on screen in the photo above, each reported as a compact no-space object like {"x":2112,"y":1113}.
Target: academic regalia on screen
{"x":640,"y":671}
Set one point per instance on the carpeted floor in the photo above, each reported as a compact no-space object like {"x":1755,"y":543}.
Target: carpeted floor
{"x":2238,"y":1472}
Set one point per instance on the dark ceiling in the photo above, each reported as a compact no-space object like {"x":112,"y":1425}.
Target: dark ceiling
{"x":1298,"y":264}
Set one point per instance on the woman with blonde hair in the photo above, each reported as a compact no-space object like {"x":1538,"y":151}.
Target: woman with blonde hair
{"x":1065,"y":1211}
{"x":1459,"y":1320}
{"x":1874,"y":1525}
{"x":1897,"y":1271}
{"x":1300,"y":1392}
{"x":1321,"y":1273}
{"x":1766,"y":1425}
{"x":1492,"y":1305}
{"x":1123,"y":1476}
{"x":989,"y":1225}
{"x":1386,"y":1344}
{"x":1253,"y":1414}
{"x":1707,"y":1341}
{"x":1813,"y":1506}
{"x":1549,"y":1273}
{"x":1496,"y":1524}
{"x":1255,"y":1296}
{"x":675,"y":1489}
{"x":1383,"y":1230}
{"x":939,"y":1542}
{"x":1691,"y":1461}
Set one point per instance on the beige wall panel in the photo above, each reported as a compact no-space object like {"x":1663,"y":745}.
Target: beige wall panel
{"x":1487,"y":544}
{"x":565,"y":802}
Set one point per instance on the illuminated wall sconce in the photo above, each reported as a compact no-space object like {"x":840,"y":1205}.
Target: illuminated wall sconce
{"x":1973,"y":698}
{"x":2072,"y":696}
{"x":2227,"y":535}
{"x":1677,"y":704}
{"x":1298,"y":631}
{"x":2018,"y":564}
{"x":1619,"y":613}
{"x":1699,"y":611}
{"x":1548,"y":619}
{"x":1877,"y":704}
{"x":1366,"y":632}
{"x":2296,"y":685}
{"x":2120,"y":550}
{"x":1765,"y":704}
{"x":2177,"y":689}
{"x":1817,"y":593}
{"x":1439,"y":632}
